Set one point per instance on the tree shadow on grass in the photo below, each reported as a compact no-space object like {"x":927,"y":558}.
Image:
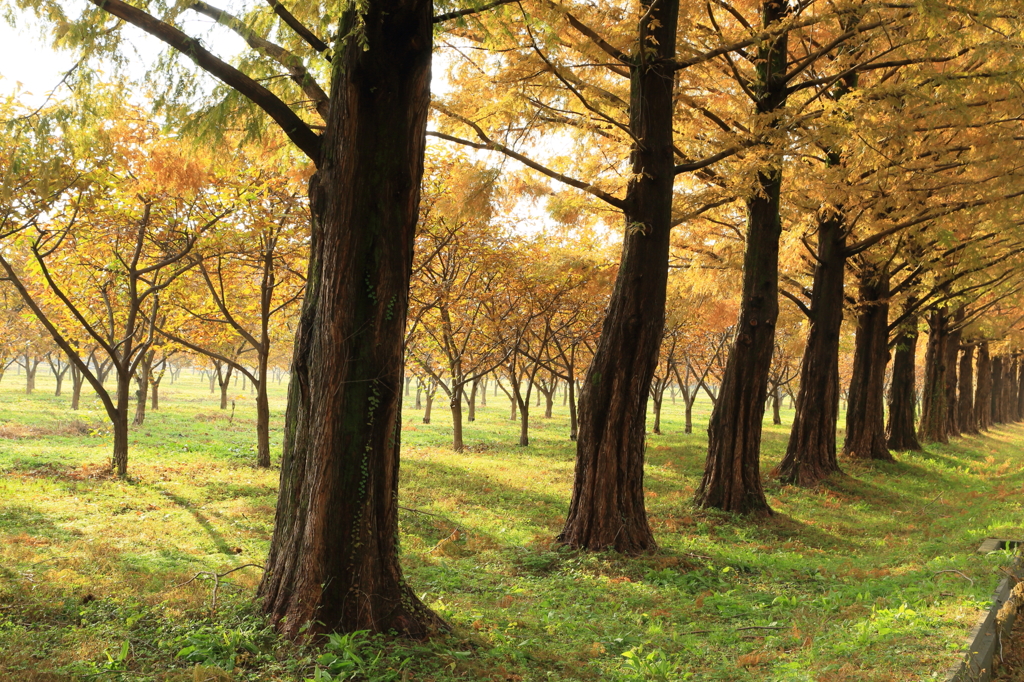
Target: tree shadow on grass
{"x":218,"y":539}
{"x":22,"y":520}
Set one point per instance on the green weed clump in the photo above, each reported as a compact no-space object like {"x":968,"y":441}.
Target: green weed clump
{"x":870,"y":576}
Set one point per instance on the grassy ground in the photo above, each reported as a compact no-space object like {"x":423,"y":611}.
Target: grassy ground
{"x":871,"y":577}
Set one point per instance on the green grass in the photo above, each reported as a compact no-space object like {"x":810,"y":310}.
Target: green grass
{"x":843,"y":583}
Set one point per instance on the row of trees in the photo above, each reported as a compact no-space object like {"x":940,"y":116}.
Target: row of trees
{"x":857,"y":156}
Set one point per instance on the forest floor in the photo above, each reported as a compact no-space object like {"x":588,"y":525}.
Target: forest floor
{"x":871,"y":577}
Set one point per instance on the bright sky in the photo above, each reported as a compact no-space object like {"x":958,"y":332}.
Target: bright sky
{"x":27,"y":58}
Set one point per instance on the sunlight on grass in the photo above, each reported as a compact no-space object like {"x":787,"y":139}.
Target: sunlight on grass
{"x":842,"y":583}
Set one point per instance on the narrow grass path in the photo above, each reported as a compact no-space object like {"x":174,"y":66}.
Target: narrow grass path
{"x":873,"y":576}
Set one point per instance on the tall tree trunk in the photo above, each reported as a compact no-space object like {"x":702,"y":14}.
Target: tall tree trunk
{"x":142,"y":383}
{"x":456,"y":405}
{"x":811,"y":452}
{"x":983,"y":394}
{"x":333,"y":563}
{"x":865,"y":416}
{"x":901,"y":433}
{"x":262,"y":414}
{"x":119,"y":424}
{"x":776,"y":398}
{"x":225,"y":384}
{"x":154,"y":394}
{"x":657,"y":398}
{"x":524,"y":413}
{"x":732,"y":473}
{"x":471,"y":416}
{"x":419,"y":392}
{"x":1020,"y":391}
{"x":997,"y":389}
{"x":607,"y":505}
{"x":428,"y":404}
{"x":483,"y":393}
{"x":570,"y":391}
{"x":952,"y":348}
{"x":933,"y":393}
{"x":77,"y":379}
{"x":965,"y":397}
{"x":30,"y":375}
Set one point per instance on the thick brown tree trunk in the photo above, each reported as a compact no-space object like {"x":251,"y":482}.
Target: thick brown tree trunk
{"x":965,"y":398}
{"x":333,"y":563}
{"x":776,"y":399}
{"x":119,"y":424}
{"x":154,"y":395}
{"x":952,"y":348}
{"x":428,"y":404}
{"x":732,"y":478}
{"x":456,"y":407}
{"x":607,"y":506}
{"x":811,"y":452}
{"x":983,"y":394}
{"x":471,"y":416}
{"x":865,"y":414}
{"x":901,"y":432}
{"x":933,"y":393}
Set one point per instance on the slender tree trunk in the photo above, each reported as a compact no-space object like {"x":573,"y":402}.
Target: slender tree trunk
{"x":570,"y":391}
{"x":472,"y":400}
{"x":607,"y":505}
{"x":524,"y":413}
{"x":900,"y":433}
{"x":983,"y":394}
{"x":1020,"y":392}
{"x":1011,"y":394}
{"x":154,"y":394}
{"x":997,"y":389}
{"x":658,"y":396}
{"x":30,"y":375}
{"x":77,"y":379}
{"x":59,"y":378}
{"x":865,"y":416}
{"x":262,"y":414}
{"x":456,"y":405}
{"x":142,"y":383}
{"x":951,"y":349}
{"x":688,"y":401}
{"x":429,"y":403}
{"x":333,"y":563}
{"x":483,"y":393}
{"x":419,"y":392}
{"x":549,"y":403}
{"x":933,"y":393}
{"x":732,"y":472}
{"x":776,"y":399}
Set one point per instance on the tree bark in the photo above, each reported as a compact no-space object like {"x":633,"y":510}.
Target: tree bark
{"x":732,"y":478}
{"x":471,"y":416}
{"x":951,"y":349}
{"x":983,"y":394}
{"x":811,"y":452}
{"x":865,"y":415}
{"x":965,"y":399}
{"x":607,"y":505}
{"x":933,"y":393}
{"x":262,"y":414}
{"x":456,"y":405}
{"x":997,"y":390}
{"x":776,"y":398}
{"x":77,"y":379}
{"x":900,"y":433}
{"x":142,"y":382}
{"x":333,"y":563}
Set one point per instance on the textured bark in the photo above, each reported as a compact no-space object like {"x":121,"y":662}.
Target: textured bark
{"x":154,"y":395}
{"x":933,"y":393}
{"x":997,"y":390}
{"x":456,"y":406}
{"x":142,"y":383}
{"x":865,"y":415}
{"x":607,"y":505}
{"x":811,"y":452}
{"x":965,"y":398}
{"x":983,"y":394}
{"x":732,"y":478}
{"x":262,"y":413}
{"x":900,"y":432}
{"x":951,"y":349}
{"x":77,"y":379}
{"x":333,"y":563}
